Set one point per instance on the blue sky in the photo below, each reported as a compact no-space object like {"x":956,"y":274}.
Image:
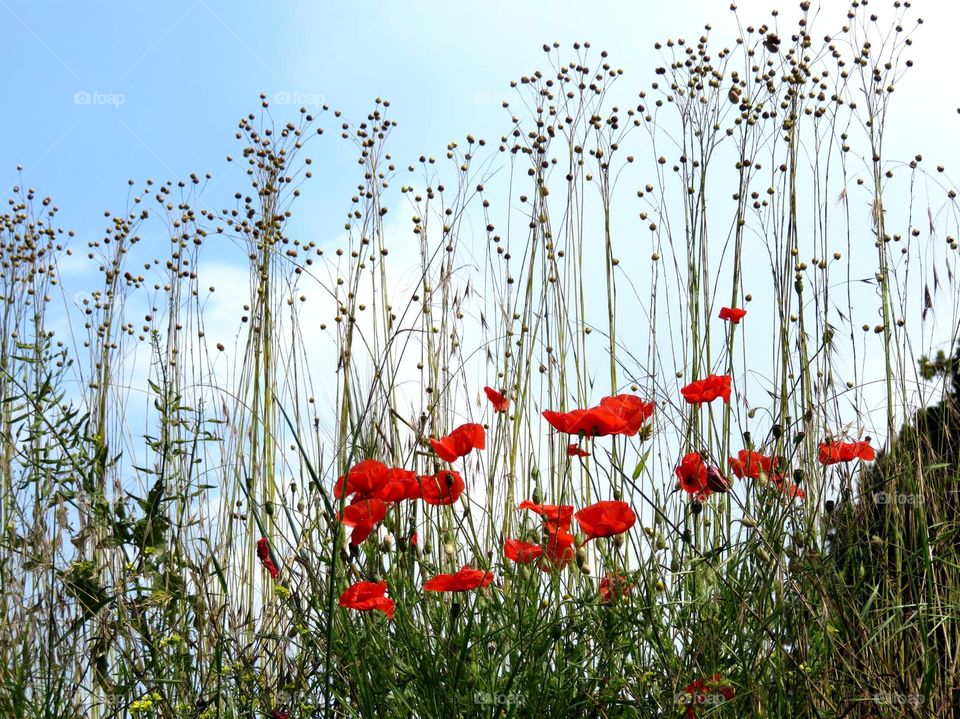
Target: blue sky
{"x":106,"y":90}
{"x":165,"y":83}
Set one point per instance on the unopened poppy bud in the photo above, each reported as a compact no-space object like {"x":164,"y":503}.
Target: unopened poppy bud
{"x":748,"y":522}
{"x":618,"y":540}
{"x":268,"y":508}
{"x":661,"y":543}
{"x":449,"y":550}
{"x":674,"y":565}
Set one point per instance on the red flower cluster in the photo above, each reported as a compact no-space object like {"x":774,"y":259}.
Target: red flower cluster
{"x":373,"y":486}
{"x":459,"y":442}
{"x":263,"y":554}
{"x":367,"y":596}
{"x":499,"y":402}
{"x":707,"y":389}
{"x":559,"y":550}
{"x":732,"y":314}
{"x":622,"y":414}
{"x":466,"y":578}
{"x":834,"y":452}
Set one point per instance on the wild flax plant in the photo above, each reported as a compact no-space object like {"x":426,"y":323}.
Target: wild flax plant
{"x":194,"y":568}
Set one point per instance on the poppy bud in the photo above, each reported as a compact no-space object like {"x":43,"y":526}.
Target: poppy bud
{"x":798,"y":475}
{"x":776,"y":431}
{"x":716,"y":481}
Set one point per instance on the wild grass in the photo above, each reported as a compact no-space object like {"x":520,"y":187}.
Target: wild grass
{"x":585,"y":253}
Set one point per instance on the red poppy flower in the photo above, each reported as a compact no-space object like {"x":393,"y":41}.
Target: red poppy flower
{"x":520,"y":551}
{"x":733,"y":314}
{"x":363,"y":479}
{"x":263,"y":554}
{"x":692,"y":473}
{"x":707,"y":389}
{"x":463,"y":580}
{"x":444,"y":487}
{"x":574,"y":450}
{"x":614,"y":586}
{"x":459,"y":442}
{"x":499,"y":402}
{"x":605,"y":519}
{"x":363,"y":515}
{"x":751,"y":464}
{"x":399,"y":484}
{"x":559,"y":551}
{"x":593,"y":422}
{"x":834,"y":452}
{"x":556,"y":518}
{"x":632,"y":411}
{"x":415,"y":539}
{"x":367,"y":596}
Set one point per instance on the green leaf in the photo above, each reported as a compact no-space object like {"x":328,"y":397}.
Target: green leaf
{"x":640,"y":465}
